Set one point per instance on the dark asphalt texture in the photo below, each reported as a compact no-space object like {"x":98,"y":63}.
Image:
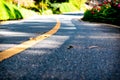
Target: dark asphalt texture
{"x":78,"y":51}
{"x":15,"y":33}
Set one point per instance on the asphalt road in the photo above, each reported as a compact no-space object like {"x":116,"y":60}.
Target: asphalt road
{"x":78,"y":51}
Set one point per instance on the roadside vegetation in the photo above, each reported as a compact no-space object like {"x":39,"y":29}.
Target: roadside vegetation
{"x":18,"y":9}
{"x":8,"y":11}
{"x":12,"y":12}
{"x":107,"y":11}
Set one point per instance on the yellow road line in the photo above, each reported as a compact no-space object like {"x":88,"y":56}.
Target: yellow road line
{"x":27,"y":44}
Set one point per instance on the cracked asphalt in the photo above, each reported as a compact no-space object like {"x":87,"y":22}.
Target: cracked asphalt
{"x":78,"y":51}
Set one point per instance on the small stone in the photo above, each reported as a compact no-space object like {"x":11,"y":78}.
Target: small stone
{"x":70,"y":47}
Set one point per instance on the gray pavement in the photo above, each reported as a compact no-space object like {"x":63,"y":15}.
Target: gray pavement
{"x":14,"y":32}
{"x":78,"y":51}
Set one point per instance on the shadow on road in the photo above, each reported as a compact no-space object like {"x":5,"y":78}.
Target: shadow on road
{"x":19,"y":32}
{"x":94,"y":55}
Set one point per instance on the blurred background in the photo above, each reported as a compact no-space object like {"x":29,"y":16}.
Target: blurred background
{"x":17,"y":9}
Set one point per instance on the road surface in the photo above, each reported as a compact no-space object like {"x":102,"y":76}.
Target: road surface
{"x":77,"y":51}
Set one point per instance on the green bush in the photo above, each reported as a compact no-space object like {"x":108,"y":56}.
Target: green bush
{"x":87,"y":15}
{"x":107,"y":12}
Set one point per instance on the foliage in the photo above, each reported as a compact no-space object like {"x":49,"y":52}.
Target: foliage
{"x":47,"y":12}
{"x":50,"y":1}
{"x":8,"y":11}
{"x":36,"y":9}
{"x":23,"y":3}
{"x":80,"y":4}
{"x":76,"y":3}
{"x":27,"y":13}
{"x":3,"y":12}
{"x":68,"y":7}
{"x":107,"y":12}
{"x":44,"y":6}
{"x":55,"y":7}
{"x":58,"y":1}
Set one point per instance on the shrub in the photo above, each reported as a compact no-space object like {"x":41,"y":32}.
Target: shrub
{"x":107,"y":12}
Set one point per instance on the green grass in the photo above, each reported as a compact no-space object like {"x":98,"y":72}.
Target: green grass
{"x":68,"y":7}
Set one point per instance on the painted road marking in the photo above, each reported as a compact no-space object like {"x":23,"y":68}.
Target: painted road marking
{"x":27,"y":44}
